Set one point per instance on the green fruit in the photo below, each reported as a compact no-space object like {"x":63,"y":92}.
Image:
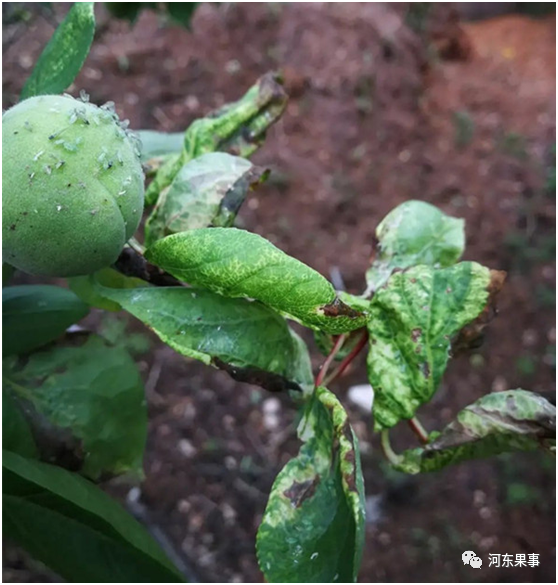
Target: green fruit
{"x":72,"y":184}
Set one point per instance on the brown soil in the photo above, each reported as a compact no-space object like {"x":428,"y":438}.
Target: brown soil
{"x":377,"y":115}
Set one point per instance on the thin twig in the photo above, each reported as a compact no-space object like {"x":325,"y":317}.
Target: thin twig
{"x":348,"y":359}
{"x":337,"y":278}
{"x":334,"y":350}
{"x":419,"y":430}
{"x":257,"y":444}
{"x":250,"y":490}
{"x":153,"y":378}
{"x":389,"y":453}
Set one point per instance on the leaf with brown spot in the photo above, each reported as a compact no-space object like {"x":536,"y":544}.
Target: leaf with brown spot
{"x":416,"y":333}
{"x":300,"y":491}
{"x":412,"y":320}
{"x":318,"y":500}
{"x":338,"y":308}
{"x":514,"y":420}
{"x":208,"y":190}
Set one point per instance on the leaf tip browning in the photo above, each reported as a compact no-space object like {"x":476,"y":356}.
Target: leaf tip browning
{"x":471,"y":336}
{"x":337,"y":308}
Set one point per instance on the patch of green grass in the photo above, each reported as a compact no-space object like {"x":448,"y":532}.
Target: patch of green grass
{"x":526,"y":252}
{"x":464,"y":128}
{"x":514,"y":477}
{"x":548,"y":464}
{"x":526,"y":365}
{"x":364,"y":94}
{"x":211,"y":446}
{"x":546,"y":296}
{"x":521,"y":494}
{"x":550,"y":187}
{"x":477,"y":361}
{"x":417,"y":16}
{"x":514,"y":144}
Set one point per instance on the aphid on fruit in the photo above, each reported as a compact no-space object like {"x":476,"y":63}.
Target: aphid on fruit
{"x":72,"y":184}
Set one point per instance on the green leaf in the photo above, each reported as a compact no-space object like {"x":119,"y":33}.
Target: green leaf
{"x":413,"y":233}
{"x":247,"y":339}
{"x":312,"y":530}
{"x":413,"y":320}
{"x":65,"y":53}
{"x":237,"y":263}
{"x":84,"y":287}
{"x":208,"y":190}
{"x":238,"y":128}
{"x":34,"y":315}
{"x":16,"y":434}
{"x":515,"y":420}
{"x":85,"y":399}
{"x":74,"y":528}
{"x":156,"y":144}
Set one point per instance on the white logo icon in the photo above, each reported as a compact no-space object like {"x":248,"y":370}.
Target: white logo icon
{"x":467,"y":556}
{"x":470,"y":558}
{"x":476,"y":562}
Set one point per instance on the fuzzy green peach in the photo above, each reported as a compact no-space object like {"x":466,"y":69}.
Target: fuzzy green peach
{"x":72,"y":186}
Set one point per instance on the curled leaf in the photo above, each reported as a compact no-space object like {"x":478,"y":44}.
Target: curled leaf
{"x":238,"y":128}
{"x":208,"y":190}
{"x":237,"y":263}
{"x":514,"y":420}
{"x":414,"y":233}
